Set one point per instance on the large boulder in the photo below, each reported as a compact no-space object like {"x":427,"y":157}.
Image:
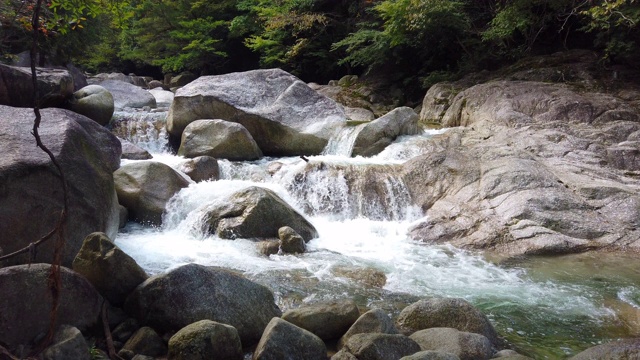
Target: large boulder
{"x":145,"y":187}
{"x":132,"y":151}
{"x":378,"y":134}
{"x":465,"y":345}
{"x":615,"y":350}
{"x":282,"y":113}
{"x":190,"y":293}
{"x":25,"y":303}
{"x":94,"y":102}
{"x":113,"y":273}
{"x":326,"y":320}
{"x":55,"y":86}
{"x":445,"y":312}
{"x":205,"y":339}
{"x":254,"y":212}
{"x":219,"y":139}
{"x":31,"y":193}
{"x":283,"y":340}
{"x":538,"y":168}
{"x":126,"y":95}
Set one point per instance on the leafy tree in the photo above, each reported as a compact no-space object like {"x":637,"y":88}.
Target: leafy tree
{"x":615,"y":24}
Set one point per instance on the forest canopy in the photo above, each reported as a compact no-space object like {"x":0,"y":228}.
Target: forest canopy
{"x":415,"y":42}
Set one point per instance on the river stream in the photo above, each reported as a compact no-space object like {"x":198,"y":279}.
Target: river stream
{"x":545,"y":307}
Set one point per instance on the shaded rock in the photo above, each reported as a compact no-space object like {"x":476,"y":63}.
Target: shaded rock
{"x":30,"y":185}
{"x":112,"y":272}
{"x":67,"y":343}
{"x":508,"y":354}
{"x":123,"y":214}
{"x":144,"y":188}
{"x":55,"y":86}
{"x":379,"y":133}
{"x":445,"y":312}
{"x":25,"y":317}
{"x":94,"y":102}
{"x":219,"y":139}
{"x":327,"y":320}
{"x":283,"y":115}
{"x":126,"y":95}
{"x":255,"y":212}
{"x":290,"y":241}
{"x":154,"y":84}
{"x":465,"y":345}
{"x":379,"y":346}
{"x":205,"y":339}
{"x":125,"y":329}
{"x":126,"y":354}
{"x":182,"y":79}
{"x":192,"y":292}
{"x":146,"y":341}
{"x":132,"y":151}
{"x":373,"y":321}
{"x":615,"y":350}
{"x":283,"y":340}
{"x":201,"y":168}
{"x":164,"y":98}
{"x":431,"y":355}
{"x":269,"y":247}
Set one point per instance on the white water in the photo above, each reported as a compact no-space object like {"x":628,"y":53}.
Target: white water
{"x":362,"y":211}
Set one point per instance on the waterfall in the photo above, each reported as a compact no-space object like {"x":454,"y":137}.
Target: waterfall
{"x":145,"y":129}
{"x":342,"y":143}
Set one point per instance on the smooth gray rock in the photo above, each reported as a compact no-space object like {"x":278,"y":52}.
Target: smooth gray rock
{"x":94,"y":102}
{"x":379,"y":346}
{"x":67,"y":343}
{"x":219,"y":139}
{"x":164,"y":98}
{"x":145,"y":187}
{"x":193,"y":292}
{"x":627,"y":349}
{"x":373,"y":321}
{"x":111,"y":271}
{"x":25,"y":317}
{"x":465,"y":345}
{"x":431,"y":355}
{"x":445,"y":312}
{"x":31,"y":192}
{"x":378,"y":134}
{"x":146,"y":341}
{"x":284,"y":115}
{"x":359,"y":114}
{"x":283,"y":340}
{"x":255,"y":212}
{"x":126,"y":95}
{"x":201,"y":168}
{"x":328,"y":320}
{"x":55,"y":86}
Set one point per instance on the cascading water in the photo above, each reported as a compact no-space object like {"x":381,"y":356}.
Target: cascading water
{"x":362,"y":211}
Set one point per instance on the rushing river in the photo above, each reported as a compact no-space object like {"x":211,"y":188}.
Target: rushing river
{"x":546,"y":307}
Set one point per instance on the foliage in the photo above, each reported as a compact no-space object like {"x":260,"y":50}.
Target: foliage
{"x":615,"y":24}
{"x":177,"y":35}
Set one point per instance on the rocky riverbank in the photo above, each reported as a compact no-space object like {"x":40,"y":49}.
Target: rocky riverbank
{"x":540,"y":160}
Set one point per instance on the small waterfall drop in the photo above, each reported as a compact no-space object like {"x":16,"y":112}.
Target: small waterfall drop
{"x":143,"y":128}
{"x":342,"y":143}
